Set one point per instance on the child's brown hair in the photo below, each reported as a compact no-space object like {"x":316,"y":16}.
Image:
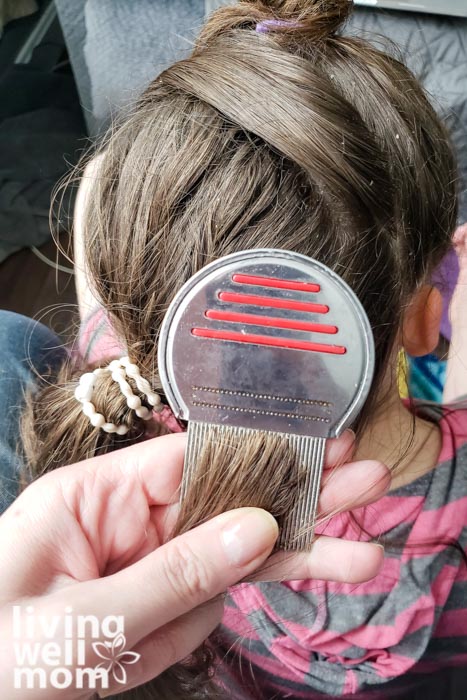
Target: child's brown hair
{"x":296,"y":138}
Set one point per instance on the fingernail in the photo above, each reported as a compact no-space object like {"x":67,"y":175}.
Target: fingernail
{"x":248,"y":534}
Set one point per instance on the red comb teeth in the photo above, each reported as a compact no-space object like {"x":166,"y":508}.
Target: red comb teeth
{"x":269,"y":321}
{"x":238,"y":319}
{"x":273,"y":302}
{"x":267,"y":340}
{"x":276,"y":283}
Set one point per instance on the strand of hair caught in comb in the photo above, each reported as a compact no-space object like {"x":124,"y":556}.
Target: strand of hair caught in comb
{"x":228,"y":467}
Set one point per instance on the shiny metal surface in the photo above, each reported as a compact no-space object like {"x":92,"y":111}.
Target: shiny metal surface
{"x":244,"y":384}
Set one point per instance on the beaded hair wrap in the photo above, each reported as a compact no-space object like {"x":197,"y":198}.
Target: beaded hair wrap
{"x":120,"y":370}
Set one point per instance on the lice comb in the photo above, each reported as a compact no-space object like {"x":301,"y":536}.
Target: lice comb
{"x":273,"y":341}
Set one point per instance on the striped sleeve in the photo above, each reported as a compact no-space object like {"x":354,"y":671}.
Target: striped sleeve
{"x":300,"y":637}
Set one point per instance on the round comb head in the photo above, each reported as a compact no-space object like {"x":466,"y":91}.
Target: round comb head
{"x":269,"y":340}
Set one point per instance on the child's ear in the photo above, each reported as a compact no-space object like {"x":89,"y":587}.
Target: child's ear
{"x":420,"y":330}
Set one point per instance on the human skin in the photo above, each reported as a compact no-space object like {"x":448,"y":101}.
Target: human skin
{"x":456,"y":372}
{"x":94,"y":537}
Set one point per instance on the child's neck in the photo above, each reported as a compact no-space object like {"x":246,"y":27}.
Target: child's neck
{"x":408,"y":445}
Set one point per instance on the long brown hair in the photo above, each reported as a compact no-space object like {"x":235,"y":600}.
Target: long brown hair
{"x":296,"y":138}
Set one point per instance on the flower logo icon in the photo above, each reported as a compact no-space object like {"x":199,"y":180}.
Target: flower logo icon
{"x":116,"y":656}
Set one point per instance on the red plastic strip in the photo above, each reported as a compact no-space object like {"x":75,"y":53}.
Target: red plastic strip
{"x":273,"y":303}
{"x":276,"y":283}
{"x":268,"y":341}
{"x":269,"y":321}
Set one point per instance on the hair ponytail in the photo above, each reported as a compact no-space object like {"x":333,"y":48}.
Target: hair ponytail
{"x":56,"y":431}
{"x":295,"y":21}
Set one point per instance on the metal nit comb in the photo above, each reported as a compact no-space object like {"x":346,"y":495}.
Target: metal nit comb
{"x":268,"y":340}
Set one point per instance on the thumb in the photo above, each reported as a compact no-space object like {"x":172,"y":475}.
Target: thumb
{"x":182,"y":574}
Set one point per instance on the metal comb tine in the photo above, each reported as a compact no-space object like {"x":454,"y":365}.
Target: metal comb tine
{"x":309,"y":453}
{"x":305,"y":514}
{"x":317,"y":460}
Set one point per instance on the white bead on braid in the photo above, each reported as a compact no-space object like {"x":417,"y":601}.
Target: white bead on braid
{"x":143,"y":385}
{"x":119,"y":369}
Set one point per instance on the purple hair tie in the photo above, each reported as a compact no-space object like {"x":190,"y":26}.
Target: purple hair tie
{"x":266,"y":25}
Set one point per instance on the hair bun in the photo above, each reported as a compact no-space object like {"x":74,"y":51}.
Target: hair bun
{"x":308,"y":20}
{"x":317,"y":19}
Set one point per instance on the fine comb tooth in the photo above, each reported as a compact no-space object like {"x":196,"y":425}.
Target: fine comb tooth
{"x":297,"y":531}
{"x":274,"y":342}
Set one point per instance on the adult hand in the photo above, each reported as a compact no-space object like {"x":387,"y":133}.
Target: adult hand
{"x":88,"y":573}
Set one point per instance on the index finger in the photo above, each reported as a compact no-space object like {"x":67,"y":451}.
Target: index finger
{"x":159,"y":466}
{"x":156,"y":464}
